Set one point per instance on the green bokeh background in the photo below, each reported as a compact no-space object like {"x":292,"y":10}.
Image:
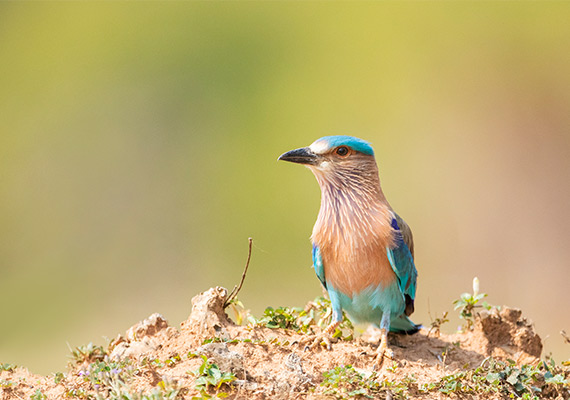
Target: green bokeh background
{"x":138,"y":147}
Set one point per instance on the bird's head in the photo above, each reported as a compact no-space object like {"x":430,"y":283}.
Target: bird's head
{"x":336,"y":158}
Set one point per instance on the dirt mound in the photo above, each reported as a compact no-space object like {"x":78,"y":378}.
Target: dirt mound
{"x":210,"y":357}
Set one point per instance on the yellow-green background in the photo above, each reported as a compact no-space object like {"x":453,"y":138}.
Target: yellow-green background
{"x":138,"y":147}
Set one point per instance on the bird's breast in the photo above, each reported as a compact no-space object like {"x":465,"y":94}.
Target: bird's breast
{"x":352,"y":232}
{"x":352,"y":270}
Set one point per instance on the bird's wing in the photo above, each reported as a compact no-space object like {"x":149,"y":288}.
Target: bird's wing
{"x":406,"y":233}
{"x":318,"y":265}
{"x":402,"y":262}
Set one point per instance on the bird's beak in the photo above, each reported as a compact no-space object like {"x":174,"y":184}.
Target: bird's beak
{"x":300,"y":156}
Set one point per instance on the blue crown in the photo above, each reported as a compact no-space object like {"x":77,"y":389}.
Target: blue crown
{"x":350,"y":141}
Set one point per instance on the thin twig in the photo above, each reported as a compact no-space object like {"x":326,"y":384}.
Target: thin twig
{"x":237,"y":288}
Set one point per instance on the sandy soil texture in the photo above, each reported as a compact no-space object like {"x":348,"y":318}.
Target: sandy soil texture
{"x":153,"y":360}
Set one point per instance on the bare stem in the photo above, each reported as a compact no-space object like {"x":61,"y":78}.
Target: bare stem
{"x":237,"y":288}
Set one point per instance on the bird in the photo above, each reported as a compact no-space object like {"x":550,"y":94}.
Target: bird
{"x":363,"y":252}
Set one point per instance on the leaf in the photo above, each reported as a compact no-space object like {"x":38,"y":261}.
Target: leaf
{"x":557,"y":380}
{"x":514,"y":377}
{"x":493,"y":378}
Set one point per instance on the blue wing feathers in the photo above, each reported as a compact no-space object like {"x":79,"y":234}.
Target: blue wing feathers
{"x":318,"y":265}
{"x":402,"y":263}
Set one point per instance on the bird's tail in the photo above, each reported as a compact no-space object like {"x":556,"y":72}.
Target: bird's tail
{"x":403,"y":324}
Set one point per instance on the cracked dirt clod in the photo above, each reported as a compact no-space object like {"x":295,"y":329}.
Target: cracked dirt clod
{"x":147,"y":327}
{"x":140,"y":338}
{"x":208,"y":316}
{"x":506,"y":333}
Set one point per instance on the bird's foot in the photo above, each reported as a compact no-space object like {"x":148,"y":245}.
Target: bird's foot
{"x":325,"y":337}
{"x":383,"y":350}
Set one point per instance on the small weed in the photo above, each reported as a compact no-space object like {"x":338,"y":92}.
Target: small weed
{"x":437,"y":323}
{"x":172,"y":361}
{"x":468,"y":302}
{"x":88,"y":353}
{"x":58,"y":377}
{"x":210,"y":376}
{"x":6,"y":383}
{"x":76,"y":392}
{"x":7,"y":367}
{"x":240,"y":313}
{"x":280,"y":317}
{"x":38,"y":395}
{"x":108,"y":377}
{"x":393,"y":368}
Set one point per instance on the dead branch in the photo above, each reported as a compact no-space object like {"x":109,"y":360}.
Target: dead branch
{"x":233,"y":294}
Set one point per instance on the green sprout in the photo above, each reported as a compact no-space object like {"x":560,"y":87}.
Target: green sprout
{"x":469,"y":302}
{"x":38,"y":395}
{"x":209,"y":376}
{"x":239,"y":311}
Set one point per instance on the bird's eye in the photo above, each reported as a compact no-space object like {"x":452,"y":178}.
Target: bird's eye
{"x":342,"y":151}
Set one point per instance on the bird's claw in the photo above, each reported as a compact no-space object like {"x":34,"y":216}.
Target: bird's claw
{"x":383,"y":351}
{"x":318,"y":340}
{"x":325,"y":337}
{"x":381,"y":356}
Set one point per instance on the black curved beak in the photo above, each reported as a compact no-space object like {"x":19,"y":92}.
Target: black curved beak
{"x":303,"y":155}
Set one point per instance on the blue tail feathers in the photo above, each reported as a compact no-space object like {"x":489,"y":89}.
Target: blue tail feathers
{"x":403,"y":324}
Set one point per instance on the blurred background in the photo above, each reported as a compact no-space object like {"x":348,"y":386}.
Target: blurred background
{"x":138,"y":147}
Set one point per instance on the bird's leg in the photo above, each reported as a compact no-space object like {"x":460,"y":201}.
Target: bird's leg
{"x":383,"y":351}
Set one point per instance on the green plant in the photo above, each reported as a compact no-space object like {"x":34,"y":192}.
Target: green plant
{"x":240,"y":313}
{"x":469,"y":302}
{"x":7,"y":367}
{"x":437,"y":323}
{"x":280,"y":317}
{"x":320,"y":310}
{"x":6,"y":383}
{"x":345,"y":382}
{"x":209,"y":376}
{"x":58,"y":377}
{"x":172,"y":361}
{"x":38,"y":395}
{"x":506,"y":379}
{"x":316,"y":313}
{"x":110,"y":380}
{"x":88,"y":353}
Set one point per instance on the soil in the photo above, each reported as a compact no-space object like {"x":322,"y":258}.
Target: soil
{"x":273,"y":363}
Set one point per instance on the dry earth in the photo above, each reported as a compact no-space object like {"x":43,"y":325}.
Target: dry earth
{"x":156,"y":361}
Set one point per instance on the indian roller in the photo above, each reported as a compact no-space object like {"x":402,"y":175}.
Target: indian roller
{"x":363,"y":252}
